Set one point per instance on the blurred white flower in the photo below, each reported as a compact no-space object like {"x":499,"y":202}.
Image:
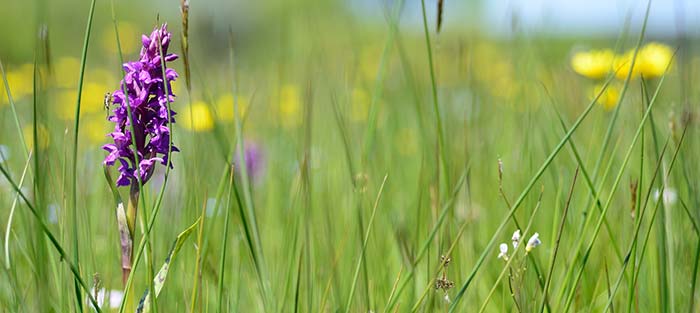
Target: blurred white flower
{"x":447,"y":298}
{"x":4,"y":153}
{"x":516,"y":238}
{"x":670,"y":196}
{"x":503,"y":252}
{"x":113,"y":296}
{"x":533,"y":242}
{"x":54,"y":209}
{"x":211,"y":207}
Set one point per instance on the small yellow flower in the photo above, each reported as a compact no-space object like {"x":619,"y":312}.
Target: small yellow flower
{"x":21,"y":81}
{"x":92,"y":101}
{"x":290,"y":106}
{"x":609,"y":98}
{"x":197,"y":117}
{"x":42,"y":134}
{"x":360,"y":103}
{"x":652,"y":61}
{"x":225,"y":109}
{"x":593,"y":64}
{"x":655,"y":58}
{"x":66,"y":72}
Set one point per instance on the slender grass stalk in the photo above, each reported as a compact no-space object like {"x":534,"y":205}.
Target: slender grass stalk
{"x":441,"y":266}
{"x":446,"y":207}
{"x":636,"y":234}
{"x":250,"y":216}
{"x":370,"y":132}
{"x":13,"y":108}
{"x":364,"y":246}
{"x":560,"y":231}
{"x":83,"y":60}
{"x":197,"y":276}
{"x":222,"y":261}
{"x":587,"y":178}
{"x":436,"y":107}
{"x":297,"y":289}
{"x":638,"y":226}
{"x":611,"y":125}
{"x":665,"y":255}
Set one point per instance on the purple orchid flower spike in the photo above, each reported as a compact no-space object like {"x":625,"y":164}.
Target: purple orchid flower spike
{"x":148,"y":100}
{"x":145,"y":95}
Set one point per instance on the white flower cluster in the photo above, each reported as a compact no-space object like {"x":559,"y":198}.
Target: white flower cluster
{"x":533,"y":242}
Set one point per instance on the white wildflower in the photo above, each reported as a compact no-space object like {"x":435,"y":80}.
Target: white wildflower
{"x":211,"y":207}
{"x":533,"y":242}
{"x":504,"y":252}
{"x":54,"y":210}
{"x":447,"y":298}
{"x":516,"y":238}
{"x":669,"y":195}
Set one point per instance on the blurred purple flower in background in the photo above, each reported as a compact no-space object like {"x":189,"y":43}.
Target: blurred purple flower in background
{"x":254,"y":158}
{"x":146,"y":97}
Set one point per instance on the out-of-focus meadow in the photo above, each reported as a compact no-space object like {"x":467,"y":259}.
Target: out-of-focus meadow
{"x":351,"y":157}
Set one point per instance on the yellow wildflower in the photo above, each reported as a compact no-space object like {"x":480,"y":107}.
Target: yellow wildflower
{"x":224,"y":107}
{"x":21,"y":81}
{"x":609,"y":98}
{"x":652,"y":61}
{"x":290,"y":106}
{"x":92,"y":101}
{"x":593,"y":64}
{"x":197,"y":117}
{"x":655,"y":58}
{"x":66,"y":72}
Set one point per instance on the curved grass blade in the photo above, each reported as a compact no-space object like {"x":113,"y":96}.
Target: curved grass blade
{"x":159,"y":280}
{"x":83,"y":60}
{"x":12,"y":213}
{"x":364,"y":246}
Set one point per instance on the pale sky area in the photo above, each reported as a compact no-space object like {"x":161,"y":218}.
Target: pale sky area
{"x":563,"y":17}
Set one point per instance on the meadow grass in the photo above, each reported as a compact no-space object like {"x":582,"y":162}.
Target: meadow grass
{"x":377,"y":170}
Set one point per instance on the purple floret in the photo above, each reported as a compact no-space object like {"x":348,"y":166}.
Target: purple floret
{"x":146,"y":96}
